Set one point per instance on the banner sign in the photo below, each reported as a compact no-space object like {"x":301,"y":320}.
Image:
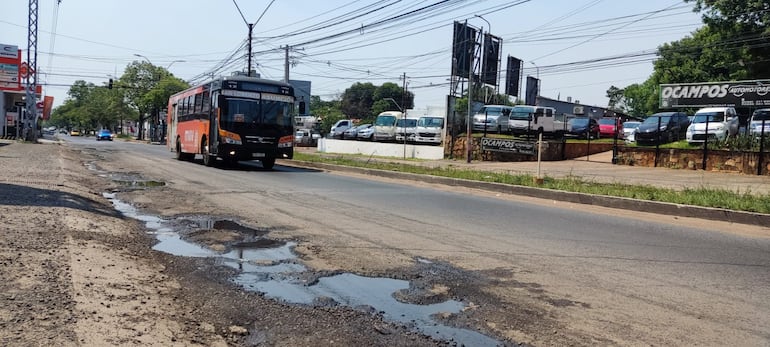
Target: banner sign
{"x":509,"y":146}
{"x":10,"y":52}
{"x":755,"y":93}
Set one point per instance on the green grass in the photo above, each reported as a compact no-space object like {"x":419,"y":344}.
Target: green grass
{"x":704,"y":197}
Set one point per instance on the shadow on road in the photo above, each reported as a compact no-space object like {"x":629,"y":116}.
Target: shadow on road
{"x":16,"y":195}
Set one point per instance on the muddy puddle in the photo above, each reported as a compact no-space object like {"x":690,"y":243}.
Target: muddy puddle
{"x":272,"y":268}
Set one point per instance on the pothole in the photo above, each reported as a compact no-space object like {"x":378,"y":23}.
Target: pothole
{"x":272,"y":268}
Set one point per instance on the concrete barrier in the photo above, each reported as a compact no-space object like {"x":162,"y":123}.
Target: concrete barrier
{"x":381,"y":149}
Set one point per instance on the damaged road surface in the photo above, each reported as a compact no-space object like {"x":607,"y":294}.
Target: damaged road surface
{"x":122,"y":245}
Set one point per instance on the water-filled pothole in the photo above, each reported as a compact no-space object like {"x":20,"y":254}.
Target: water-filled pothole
{"x":271,"y":267}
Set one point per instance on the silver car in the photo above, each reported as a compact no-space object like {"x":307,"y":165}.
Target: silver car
{"x":760,"y":123}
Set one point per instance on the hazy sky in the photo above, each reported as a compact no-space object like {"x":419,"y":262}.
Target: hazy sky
{"x":336,"y":43}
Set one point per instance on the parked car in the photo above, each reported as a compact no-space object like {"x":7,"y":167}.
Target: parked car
{"x":583,"y":127}
{"x":629,"y":130}
{"x":756,"y":127}
{"x":429,"y":129}
{"x":663,"y":127}
{"x":492,"y":118}
{"x":722,"y":122}
{"x":75,"y":133}
{"x":365,"y":133}
{"x":406,"y":129}
{"x":608,"y":127}
{"x":350,"y":133}
{"x":338,"y":129}
{"x":104,"y":134}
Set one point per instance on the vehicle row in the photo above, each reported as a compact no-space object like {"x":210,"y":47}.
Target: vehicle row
{"x":392,"y":126}
{"x":710,"y":123}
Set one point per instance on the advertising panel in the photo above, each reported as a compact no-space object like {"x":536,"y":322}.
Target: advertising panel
{"x":10,"y":60}
{"x":509,"y":146}
{"x":755,"y":93}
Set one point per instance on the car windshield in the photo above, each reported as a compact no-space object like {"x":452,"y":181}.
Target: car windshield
{"x":430,"y":122}
{"x":656,"y":119}
{"x":761,"y":115}
{"x":631,"y":125}
{"x":490,"y":110}
{"x":607,"y":121}
{"x":711,"y":116}
{"x":409,"y":123}
{"x":579,"y":121}
{"x":521,"y":113}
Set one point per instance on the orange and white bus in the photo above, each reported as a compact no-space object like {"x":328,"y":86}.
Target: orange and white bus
{"x":232,"y":118}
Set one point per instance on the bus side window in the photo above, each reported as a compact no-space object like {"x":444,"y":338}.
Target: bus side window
{"x":189,"y":106}
{"x":198,"y":106}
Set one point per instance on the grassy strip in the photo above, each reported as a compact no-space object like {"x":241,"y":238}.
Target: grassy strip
{"x":704,"y":197}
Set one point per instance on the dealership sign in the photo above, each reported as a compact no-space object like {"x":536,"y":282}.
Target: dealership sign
{"x":506,"y":145}
{"x":737,"y":94}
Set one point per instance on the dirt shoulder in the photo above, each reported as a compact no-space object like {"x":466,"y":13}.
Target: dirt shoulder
{"x":76,"y":272}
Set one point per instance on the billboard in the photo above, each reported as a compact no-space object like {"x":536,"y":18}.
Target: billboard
{"x":10,"y":61}
{"x":533,"y":86}
{"x":512,"y":76}
{"x":491,"y":59}
{"x":754,"y":93}
{"x":463,"y":46}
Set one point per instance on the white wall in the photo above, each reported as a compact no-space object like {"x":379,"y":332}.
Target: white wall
{"x":381,"y":149}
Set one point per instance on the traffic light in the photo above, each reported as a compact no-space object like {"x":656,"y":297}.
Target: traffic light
{"x":109,"y":85}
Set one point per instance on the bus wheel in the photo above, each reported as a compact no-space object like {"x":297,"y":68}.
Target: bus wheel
{"x":179,"y":154}
{"x":268,"y":163}
{"x":208,"y":159}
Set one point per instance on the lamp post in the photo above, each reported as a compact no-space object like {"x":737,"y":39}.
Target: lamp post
{"x":172,"y":63}
{"x":537,"y":74}
{"x":403,"y":115}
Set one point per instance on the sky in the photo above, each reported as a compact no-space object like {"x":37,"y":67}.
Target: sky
{"x":578,"y":48}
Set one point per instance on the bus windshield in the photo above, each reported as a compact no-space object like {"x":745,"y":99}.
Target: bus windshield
{"x":237,"y":112}
{"x":383,"y":120}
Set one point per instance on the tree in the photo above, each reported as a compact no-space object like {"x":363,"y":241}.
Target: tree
{"x":357,"y":100}
{"x":615,"y":95}
{"x":365,"y":100}
{"x":147,"y":88}
{"x":743,"y":26}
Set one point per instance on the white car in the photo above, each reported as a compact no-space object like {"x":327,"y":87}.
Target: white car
{"x":722,"y":123}
{"x":629,"y":129}
{"x":759,"y":117}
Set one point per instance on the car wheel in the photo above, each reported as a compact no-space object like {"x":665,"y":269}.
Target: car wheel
{"x":268,"y":163}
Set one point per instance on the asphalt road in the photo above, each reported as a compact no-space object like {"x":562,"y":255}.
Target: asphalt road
{"x":628,"y":277}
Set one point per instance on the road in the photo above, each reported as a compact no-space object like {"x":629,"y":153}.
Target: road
{"x":536,"y":271}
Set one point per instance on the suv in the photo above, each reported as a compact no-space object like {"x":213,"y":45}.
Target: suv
{"x":722,"y":122}
{"x":663,"y":127}
{"x":492,"y":118}
{"x":760,"y":123}
{"x":338,"y":129}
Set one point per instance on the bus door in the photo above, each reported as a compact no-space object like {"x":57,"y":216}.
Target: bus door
{"x":213,"y":116}
{"x":172,"y":124}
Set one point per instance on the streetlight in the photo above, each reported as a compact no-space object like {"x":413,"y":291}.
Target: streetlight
{"x":537,"y":72}
{"x":403,"y":115}
{"x":175,"y":61}
{"x":145,"y":58}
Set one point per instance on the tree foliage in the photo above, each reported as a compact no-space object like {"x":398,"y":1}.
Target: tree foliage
{"x":732,"y":45}
{"x":365,"y":100}
{"x":142,"y":88}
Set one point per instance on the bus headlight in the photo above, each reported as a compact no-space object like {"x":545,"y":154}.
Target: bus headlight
{"x":232,"y":141}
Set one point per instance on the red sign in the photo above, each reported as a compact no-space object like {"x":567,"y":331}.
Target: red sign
{"x":24,"y":69}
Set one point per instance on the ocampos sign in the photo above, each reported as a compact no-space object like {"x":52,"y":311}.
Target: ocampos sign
{"x":754,"y":93}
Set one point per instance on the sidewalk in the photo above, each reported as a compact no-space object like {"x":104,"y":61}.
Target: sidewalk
{"x":599,"y":168}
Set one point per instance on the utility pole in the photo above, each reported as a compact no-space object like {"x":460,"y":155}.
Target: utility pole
{"x":469,"y":121}
{"x":403,"y":102}
{"x":30,"y":119}
{"x":286,"y":65}
{"x":251,"y":28}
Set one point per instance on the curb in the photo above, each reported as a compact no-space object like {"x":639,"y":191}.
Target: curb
{"x":665,"y":208}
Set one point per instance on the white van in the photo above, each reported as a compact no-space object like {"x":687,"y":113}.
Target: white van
{"x":429,"y":130}
{"x":339,"y":128}
{"x":385,"y":126}
{"x":406,"y":128}
{"x":722,"y":122}
{"x":526,"y":119}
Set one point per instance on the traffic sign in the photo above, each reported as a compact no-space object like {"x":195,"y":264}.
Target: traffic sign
{"x":24,"y":70}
